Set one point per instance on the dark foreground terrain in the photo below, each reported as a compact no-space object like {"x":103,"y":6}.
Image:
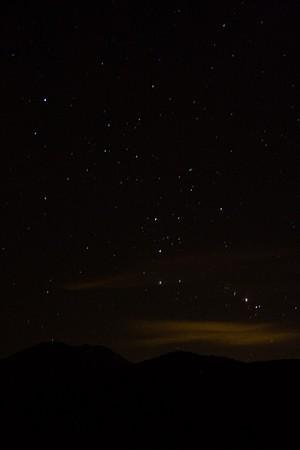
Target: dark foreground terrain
{"x":54,"y":393}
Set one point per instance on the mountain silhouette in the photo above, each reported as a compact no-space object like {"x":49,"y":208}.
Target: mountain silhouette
{"x":57,"y":354}
{"x":178,"y":400}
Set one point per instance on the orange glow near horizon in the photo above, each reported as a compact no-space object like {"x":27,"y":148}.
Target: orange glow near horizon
{"x":233,"y":334}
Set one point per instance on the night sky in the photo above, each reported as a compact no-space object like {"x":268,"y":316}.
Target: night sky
{"x":150,"y":176}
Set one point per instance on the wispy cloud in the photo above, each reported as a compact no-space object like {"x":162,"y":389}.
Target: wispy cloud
{"x":119,"y":281}
{"x":242,"y":268}
{"x":234,"y":334}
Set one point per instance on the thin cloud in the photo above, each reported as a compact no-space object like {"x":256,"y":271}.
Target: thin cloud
{"x":242,"y":268}
{"x":119,"y":281}
{"x":233,"y":334}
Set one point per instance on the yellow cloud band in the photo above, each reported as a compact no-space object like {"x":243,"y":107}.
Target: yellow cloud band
{"x":157,"y":333}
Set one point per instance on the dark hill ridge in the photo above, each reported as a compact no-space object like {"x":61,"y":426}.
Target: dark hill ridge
{"x":190,"y":361}
{"x":64,"y":355}
{"x":177,"y":400}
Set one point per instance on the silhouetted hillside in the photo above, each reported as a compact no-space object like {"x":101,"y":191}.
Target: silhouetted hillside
{"x":67,"y":357}
{"x":178,"y":400}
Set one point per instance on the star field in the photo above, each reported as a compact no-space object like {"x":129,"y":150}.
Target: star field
{"x":150,"y":173}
